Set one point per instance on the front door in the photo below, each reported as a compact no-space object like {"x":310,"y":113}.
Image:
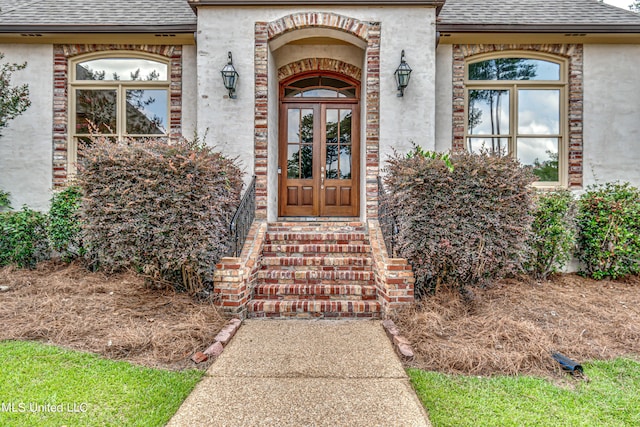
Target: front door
{"x":319,"y":153}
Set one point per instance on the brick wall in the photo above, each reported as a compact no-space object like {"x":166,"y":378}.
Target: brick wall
{"x":572,"y":52}
{"x":394,"y":277}
{"x":234,"y":278}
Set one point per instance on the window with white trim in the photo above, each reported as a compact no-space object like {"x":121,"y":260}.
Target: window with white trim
{"x":516,"y":105}
{"x":118,"y":96}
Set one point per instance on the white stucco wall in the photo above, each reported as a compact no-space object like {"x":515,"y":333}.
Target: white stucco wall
{"x":611,"y":113}
{"x":26,"y":165}
{"x":291,"y":53}
{"x":189,"y":91}
{"x":444,"y":98}
{"x":230,"y":122}
{"x":411,"y":118}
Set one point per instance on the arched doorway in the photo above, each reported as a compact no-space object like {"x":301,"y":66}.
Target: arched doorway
{"x":319,"y":146}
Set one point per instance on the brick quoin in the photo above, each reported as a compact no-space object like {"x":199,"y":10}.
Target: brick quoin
{"x":61,"y":56}
{"x":572,"y":52}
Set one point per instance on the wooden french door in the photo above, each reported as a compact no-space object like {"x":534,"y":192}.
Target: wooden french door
{"x":319,"y":158}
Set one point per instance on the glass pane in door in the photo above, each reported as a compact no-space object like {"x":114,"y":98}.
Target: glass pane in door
{"x":300,"y":143}
{"x":338,"y":143}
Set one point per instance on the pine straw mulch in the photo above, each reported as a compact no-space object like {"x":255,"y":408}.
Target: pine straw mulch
{"x":513,"y":327}
{"x":116,"y":316}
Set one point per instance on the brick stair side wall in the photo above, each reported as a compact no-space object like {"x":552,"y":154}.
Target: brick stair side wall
{"x":236,"y":277}
{"x":394,"y":277}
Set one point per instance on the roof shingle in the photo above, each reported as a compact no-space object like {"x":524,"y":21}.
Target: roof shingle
{"x":120,"y":14}
{"x":96,"y":13}
{"x":535,"y":12}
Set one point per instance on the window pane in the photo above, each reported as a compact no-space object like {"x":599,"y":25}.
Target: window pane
{"x":304,"y":83}
{"x":332,"y":125}
{"x":514,"y":69}
{"x":306,"y":162}
{"x":293,"y":161}
{"x":493,"y":146}
{"x":345,"y":162}
{"x":332,"y":161}
{"x":306,"y":130}
{"x":293,"y":125}
{"x":96,"y":110}
{"x":345,"y":127}
{"x":488,"y":112}
{"x":147,"y":111}
{"x":124,"y":69}
{"x":320,"y":93}
{"x":542,"y":155}
{"x":538,"y":112}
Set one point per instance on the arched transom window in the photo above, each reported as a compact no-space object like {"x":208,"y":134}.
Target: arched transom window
{"x":319,"y":86}
{"x":119,"y":96}
{"x":516,"y":106}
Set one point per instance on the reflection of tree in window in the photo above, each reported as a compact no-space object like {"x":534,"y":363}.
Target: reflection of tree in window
{"x":547,"y":170}
{"x":300,"y":162}
{"x":338,"y":147}
{"x":97,"y":107}
{"x":495,"y":69}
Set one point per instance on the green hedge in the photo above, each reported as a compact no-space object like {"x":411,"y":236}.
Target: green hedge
{"x":553,"y":233}
{"x":609,"y":230}
{"x":23,"y":238}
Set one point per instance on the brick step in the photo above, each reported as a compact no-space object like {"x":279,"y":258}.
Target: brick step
{"x":298,"y":238}
{"x":326,"y":263}
{"x":314,"y":309}
{"x":307,"y":227}
{"x":316,"y":249}
{"x":314,"y":292}
{"x":304,"y":275}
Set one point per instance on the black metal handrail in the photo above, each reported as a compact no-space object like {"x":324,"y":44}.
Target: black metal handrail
{"x":242,"y":220}
{"x":387,"y":219}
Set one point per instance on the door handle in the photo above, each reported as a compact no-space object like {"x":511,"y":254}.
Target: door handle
{"x":322,"y":176}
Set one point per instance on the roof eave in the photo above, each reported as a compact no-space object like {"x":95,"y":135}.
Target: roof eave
{"x":99,"y":29}
{"x":543,"y":28}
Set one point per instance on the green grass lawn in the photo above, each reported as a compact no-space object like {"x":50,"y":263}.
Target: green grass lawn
{"x":611,"y":397}
{"x":43,"y":385}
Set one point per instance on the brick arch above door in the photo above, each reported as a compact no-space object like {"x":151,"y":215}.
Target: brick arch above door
{"x":319,"y":64}
{"x":369,"y":32}
{"x":298,"y":21}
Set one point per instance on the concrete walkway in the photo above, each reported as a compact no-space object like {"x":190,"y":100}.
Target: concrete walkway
{"x":305,"y":373}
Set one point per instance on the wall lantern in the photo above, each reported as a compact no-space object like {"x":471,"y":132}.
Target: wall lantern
{"x":230,"y":77}
{"x":403,"y":73}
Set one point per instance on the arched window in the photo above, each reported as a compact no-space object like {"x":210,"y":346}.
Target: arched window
{"x":320,"y":86}
{"x":118,"y":96}
{"x":516,"y":105}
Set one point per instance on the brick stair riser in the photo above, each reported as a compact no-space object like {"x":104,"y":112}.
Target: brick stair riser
{"x":316,"y":238}
{"x":315,"y":250}
{"x":331,"y":262}
{"x":303,"y":275}
{"x":315,"y":292}
{"x":296,"y":227}
{"x":314,"y":309}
